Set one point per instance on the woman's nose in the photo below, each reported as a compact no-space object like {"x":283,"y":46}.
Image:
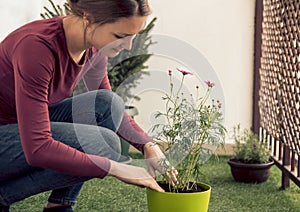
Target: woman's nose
{"x":127,"y":42}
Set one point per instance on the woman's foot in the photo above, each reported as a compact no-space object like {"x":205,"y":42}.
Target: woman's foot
{"x":52,"y":207}
{"x":62,"y":208}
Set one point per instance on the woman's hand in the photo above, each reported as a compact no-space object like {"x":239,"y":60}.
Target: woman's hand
{"x":133,"y":175}
{"x":154,"y":156}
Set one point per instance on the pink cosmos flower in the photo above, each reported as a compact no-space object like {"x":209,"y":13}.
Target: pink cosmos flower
{"x":184,"y":72}
{"x":210,"y":84}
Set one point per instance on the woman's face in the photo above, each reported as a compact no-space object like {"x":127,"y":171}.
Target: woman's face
{"x":112,"y":38}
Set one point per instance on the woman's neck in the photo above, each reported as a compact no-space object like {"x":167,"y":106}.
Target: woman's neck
{"x":74,"y":32}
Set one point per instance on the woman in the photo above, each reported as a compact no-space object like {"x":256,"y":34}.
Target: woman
{"x":49,"y":140}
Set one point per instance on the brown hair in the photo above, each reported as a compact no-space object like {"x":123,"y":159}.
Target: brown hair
{"x":109,"y":11}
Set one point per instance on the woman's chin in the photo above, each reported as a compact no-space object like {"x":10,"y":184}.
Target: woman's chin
{"x":111,"y":53}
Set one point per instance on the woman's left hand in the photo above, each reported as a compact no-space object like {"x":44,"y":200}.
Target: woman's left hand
{"x":153,"y":157}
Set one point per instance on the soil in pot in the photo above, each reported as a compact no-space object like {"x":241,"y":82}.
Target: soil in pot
{"x":194,"y":188}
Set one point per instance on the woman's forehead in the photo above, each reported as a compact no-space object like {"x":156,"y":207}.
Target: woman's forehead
{"x":129,"y":26}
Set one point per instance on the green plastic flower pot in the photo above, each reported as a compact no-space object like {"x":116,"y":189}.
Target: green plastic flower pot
{"x":179,"y":202}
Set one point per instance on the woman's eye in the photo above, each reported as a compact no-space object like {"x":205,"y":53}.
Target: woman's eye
{"x":119,"y":36}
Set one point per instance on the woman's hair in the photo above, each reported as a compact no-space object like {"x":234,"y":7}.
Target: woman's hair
{"x":109,"y":11}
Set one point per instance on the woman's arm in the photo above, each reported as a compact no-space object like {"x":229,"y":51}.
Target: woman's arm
{"x":33,"y":65}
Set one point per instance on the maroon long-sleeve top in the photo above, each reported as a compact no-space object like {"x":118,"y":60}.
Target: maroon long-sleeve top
{"x":36,"y":70}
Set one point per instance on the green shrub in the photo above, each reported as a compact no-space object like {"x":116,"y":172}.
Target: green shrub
{"x":248,"y":148}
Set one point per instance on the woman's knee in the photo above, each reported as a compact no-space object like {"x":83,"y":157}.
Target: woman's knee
{"x":110,"y":109}
{"x":115,"y":102}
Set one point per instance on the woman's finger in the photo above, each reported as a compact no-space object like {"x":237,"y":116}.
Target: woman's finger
{"x":156,"y":187}
{"x":152,"y":172}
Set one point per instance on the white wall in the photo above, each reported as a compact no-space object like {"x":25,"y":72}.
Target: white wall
{"x":16,"y":13}
{"x":221,"y":30}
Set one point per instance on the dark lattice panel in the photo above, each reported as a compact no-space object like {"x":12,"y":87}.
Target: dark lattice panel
{"x":279,"y":95}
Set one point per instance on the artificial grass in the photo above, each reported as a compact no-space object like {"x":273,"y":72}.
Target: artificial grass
{"x":111,"y":195}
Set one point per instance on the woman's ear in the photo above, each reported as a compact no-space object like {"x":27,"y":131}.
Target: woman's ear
{"x":88,"y":19}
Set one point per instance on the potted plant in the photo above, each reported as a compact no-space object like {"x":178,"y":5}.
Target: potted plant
{"x":192,"y":131}
{"x":251,"y":162}
{"x":124,"y":71}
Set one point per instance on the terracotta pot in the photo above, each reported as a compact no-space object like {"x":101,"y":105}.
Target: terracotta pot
{"x":179,"y":202}
{"x":250,"y":173}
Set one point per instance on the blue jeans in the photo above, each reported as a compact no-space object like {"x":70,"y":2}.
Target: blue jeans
{"x":87,"y":122}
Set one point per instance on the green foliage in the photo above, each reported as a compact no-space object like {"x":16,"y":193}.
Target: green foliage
{"x":124,"y":70}
{"x":56,"y":10}
{"x":248,"y":148}
{"x":192,"y":132}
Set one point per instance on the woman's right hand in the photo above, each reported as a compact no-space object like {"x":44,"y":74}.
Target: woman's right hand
{"x":133,"y":175}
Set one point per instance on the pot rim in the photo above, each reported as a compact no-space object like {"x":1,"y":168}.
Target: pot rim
{"x":185,"y":194}
{"x":231,"y":162}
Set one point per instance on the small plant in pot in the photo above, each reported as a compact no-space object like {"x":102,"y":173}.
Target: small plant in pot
{"x":251,"y":162}
{"x":191,"y":133}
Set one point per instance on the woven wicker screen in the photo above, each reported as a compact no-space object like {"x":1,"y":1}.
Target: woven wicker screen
{"x":279,"y":95}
